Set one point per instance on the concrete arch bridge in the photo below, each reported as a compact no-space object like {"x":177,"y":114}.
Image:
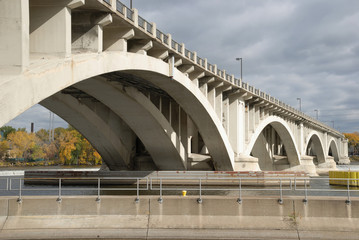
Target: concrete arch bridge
{"x":143,"y":100}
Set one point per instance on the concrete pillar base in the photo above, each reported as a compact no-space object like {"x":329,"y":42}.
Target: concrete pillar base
{"x":329,"y":163}
{"x":246,"y":163}
{"x":344,"y":161}
{"x":104,"y":167}
{"x":306,"y":166}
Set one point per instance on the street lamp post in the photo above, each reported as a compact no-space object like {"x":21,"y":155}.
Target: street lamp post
{"x":240,"y":59}
{"x":130,"y":4}
{"x":316,"y":113}
{"x":300,"y":103}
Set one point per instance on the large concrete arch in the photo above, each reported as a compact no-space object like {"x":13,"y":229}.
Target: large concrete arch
{"x":318,"y":145}
{"x":102,"y":135}
{"x":143,"y":117}
{"x":334,"y":147}
{"x":284,"y":133}
{"x":45,"y":77}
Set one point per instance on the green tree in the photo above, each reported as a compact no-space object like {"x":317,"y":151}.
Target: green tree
{"x":6,"y":130}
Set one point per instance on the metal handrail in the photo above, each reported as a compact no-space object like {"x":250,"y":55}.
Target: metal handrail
{"x":129,"y":13}
{"x":193,"y":183}
{"x":119,"y":7}
{"x":141,"y":22}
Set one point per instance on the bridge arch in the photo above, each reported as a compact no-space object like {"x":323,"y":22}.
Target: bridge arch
{"x":48,"y":76}
{"x":315,"y":147}
{"x":285,"y":134}
{"x":333,"y":149}
{"x":113,"y":149}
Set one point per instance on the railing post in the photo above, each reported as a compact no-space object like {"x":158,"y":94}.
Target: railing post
{"x":59,"y":199}
{"x":137,"y":200}
{"x":199,"y":200}
{"x":19,"y":200}
{"x":160,"y":200}
{"x":98,"y":199}
{"x":280,"y":200}
{"x":239,"y":200}
{"x":348,"y":202}
{"x":305,"y":200}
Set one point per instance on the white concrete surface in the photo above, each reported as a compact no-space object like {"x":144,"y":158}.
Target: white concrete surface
{"x":47,"y":46}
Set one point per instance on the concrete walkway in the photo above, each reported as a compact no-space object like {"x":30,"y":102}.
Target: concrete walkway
{"x":119,"y":217}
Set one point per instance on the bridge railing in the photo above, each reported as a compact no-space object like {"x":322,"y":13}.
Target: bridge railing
{"x":200,"y":62}
{"x":172,"y":185}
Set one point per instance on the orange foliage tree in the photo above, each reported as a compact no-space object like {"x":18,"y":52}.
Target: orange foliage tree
{"x":353,"y":141}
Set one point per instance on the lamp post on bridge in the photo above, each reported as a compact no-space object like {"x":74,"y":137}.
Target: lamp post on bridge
{"x":240,"y":59}
{"x":300,"y":104}
{"x":316,"y":113}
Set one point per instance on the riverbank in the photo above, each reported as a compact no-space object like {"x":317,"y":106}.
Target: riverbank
{"x":120,"y":217}
{"x":20,"y":171}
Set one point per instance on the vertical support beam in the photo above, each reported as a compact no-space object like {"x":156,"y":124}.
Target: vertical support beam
{"x":183,"y":129}
{"x":218,"y":104}
{"x":88,"y":31}
{"x":301,"y":143}
{"x":14,"y":33}
{"x":211,"y":96}
{"x":237,"y":124}
{"x":273,"y":142}
{"x":50,"y":28}
{"x":175,"y":117}
{"x":225,"y":118}
{"x":326,"y":147}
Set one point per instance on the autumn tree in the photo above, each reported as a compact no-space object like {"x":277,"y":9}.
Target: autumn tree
{"x":4,"y":147}
{"x":353,"y":141}
{"x":24,"y":145}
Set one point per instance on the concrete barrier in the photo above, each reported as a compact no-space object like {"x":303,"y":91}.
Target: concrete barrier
{"x":178,"y":218}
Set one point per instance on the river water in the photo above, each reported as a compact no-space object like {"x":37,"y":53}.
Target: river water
{"x":318,"y":186}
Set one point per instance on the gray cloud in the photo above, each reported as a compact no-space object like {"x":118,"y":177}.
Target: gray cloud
{"x":307,"y":49}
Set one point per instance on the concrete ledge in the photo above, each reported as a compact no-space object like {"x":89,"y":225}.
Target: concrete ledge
{"x":178,"y":218}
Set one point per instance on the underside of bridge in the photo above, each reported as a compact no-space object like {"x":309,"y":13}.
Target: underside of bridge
{"x":270,"y":151}
{"x":133,"y":124}
{"x":144,"y":101}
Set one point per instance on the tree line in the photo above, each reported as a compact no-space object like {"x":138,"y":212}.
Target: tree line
{"x":353,"y":145}
{"x":68,"y":147}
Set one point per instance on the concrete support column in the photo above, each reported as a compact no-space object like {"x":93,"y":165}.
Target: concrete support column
{"x":50,"y":27}
{"x":165,"y":108}
{"x":343,"y":152}
{"x":218,"y":104}
{"x":236,"y":132}
{"x":211,"y":96}
{"x":183,"y":135}
{"x":251,"y":120}
{"x":306,"y":165}
{"x":326,"y":147}
{"x":175,"y":116}
{"x":88,"y":31}
{"x":301,"y":142}
{"x":273,"y":133}
{"x":225,"y":115}
{"x":115,"y":39}
{"x":14,"y":33}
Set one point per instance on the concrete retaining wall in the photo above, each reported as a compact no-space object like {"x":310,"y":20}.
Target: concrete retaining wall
{"x":178,"y":218}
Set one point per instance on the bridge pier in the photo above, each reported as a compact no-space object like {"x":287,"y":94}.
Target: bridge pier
{"x":246,"y":163}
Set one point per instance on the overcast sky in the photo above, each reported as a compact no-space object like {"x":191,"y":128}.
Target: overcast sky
{"x":291,"y":49}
